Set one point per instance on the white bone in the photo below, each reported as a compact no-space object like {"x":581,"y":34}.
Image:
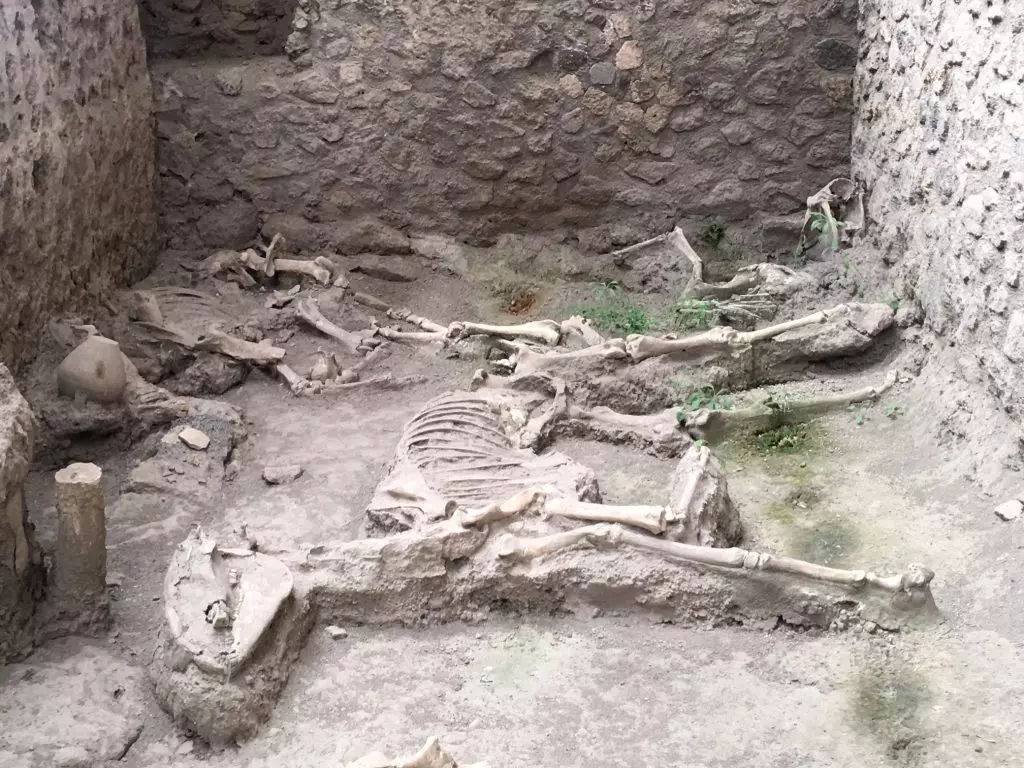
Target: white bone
{"x":648,"y":517}
{"x":544,"y":331}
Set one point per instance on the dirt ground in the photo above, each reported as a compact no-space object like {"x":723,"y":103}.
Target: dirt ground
{"x":865,"y":488}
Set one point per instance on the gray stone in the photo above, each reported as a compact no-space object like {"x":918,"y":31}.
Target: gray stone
{"x":477,"y":96}
{"x":572,"y":122}
{"x":602,"y":73}
{"x":652,"y":173}
{"x":316,"y":89}
{"x":834,"y":55}
{"x":738,"y":132}
{"x":195,"y":439}
{"x":229,"y":81}
{"x":484,"y":168}
{"x":350,"y":72}
{"x":280,"y":474}
{"x":640,"y":91}
{"x":366,"y":234}
{"x":688,"y":119}
{"x":564,"y":165}
{"x":570,"y":59}
{"x":571,"y":86}
{"x":232,"y":225}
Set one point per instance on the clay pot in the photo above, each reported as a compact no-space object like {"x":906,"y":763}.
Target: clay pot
{"x":95,"y":370}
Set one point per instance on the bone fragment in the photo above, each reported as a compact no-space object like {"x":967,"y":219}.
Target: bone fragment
{"x":386,"y":381}
{"x":647,"y":517}
{"x":308,"y":311}
{"x":399,"y":314}
{"x":543,"y":331}
{"x":677,"y":240}
{"x":579,"y":326}
{"x":81,"y":557}
{"x":432,"y":755}
{"x":319,"y":268}
{"x":268,"y":255}
{"x":295,"y":382}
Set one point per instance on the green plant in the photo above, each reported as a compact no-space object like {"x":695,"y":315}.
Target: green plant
{"x":714,"y":233}
{"x":894,"y":303}
{"x":612,"y":310}
{"x":826,"y":227}
{"x":787,"y":438}
{"x":709,"y":397}
{"x":893,"y":411}
{"x":690,"y":314}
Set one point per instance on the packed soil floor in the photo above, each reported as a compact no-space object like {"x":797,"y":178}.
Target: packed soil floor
{"x":863,"y":488}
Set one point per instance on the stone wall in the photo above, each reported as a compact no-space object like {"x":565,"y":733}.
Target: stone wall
{"x":76,"y":159}
{"x":610,"y":119}
{"x":939,"y":142}
{"x":215,"y":27}
{"x":21,"y":576}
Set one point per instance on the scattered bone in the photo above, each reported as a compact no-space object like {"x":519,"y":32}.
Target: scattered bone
{"x":325,"y":368}
{"x":399,"y":314}
{"x":841,"y":201}
{"x":354,"y":343}
{"x":81,"y":557}
{"x":319,"y":269}
{"x":285,"y":473}
{"x":194,"y":438}
{"x":674,"y":239}
{"x":543,"y":331}
{"x":1010,"y":510}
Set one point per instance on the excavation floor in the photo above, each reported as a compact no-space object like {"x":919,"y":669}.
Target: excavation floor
{"x":574,"y":690}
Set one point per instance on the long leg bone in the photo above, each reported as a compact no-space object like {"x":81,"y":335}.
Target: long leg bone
{"x":914,"y":581}
{"x":353,"y":342}
{"x":677,"y":240}
{"x":717,"y":339}
{"x":648,"y":517}
{"x":710,"y":425}
{"x":319,"y":268}
{"x":217,"y":341}
{"x":544,"y":331}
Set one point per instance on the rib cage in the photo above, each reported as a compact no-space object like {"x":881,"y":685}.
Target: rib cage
{"x":461,"y":449}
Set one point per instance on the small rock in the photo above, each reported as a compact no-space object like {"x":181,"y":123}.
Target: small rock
{"x":114,"y":578}
{"x":870,"y":627}
{"x":1009,"y":510}
{"x":284,"y":473}
{"x":194,"y":439}
{"x":630,"y":56}
{"x":336,"y":633}
{"x":185,"y":748}
{"x":229,"y":82}
{"x":390,"y":268}
{"x":602,"y":73}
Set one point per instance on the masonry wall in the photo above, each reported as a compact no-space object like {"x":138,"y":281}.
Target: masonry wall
{"x":76,"y":159}
{"x":939,"y":142}
{"x":477,"y":118}
{"x":216,"y":27}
